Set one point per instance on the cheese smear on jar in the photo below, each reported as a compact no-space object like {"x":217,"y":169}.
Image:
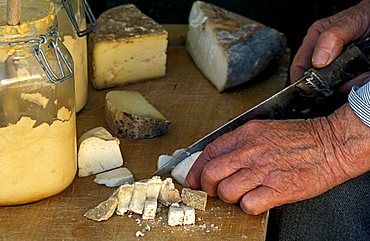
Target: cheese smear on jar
{"x":27,"y":171}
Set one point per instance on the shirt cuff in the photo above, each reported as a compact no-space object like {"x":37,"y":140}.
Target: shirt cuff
{"x":359,"y":100}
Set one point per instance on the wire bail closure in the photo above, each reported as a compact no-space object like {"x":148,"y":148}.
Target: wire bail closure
{"x":89,"y":14}
{"x":55,"y":76}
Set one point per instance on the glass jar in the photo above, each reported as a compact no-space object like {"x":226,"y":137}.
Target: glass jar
{"x":37,"y":107}
{"x":71,"y":15}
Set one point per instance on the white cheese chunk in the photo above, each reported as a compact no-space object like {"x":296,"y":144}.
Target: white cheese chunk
{"x":180,"y":172}
{"x":169,"y":194}
{"x":98,"y":151}
{"x":124,"y":195}
{"x":228,"y":48}
{"x":115,"y":177}
{"x":154,"y":187}
{"x":137,"y":202}
{"x":128,"y":46}
{"x":175,"y":216}
{"x":129,"y":114}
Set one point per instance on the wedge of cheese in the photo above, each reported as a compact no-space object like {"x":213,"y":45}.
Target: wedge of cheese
{"x":228,"y":48}
{"x":129,"y":114}
{"x":98,"y":151}
{"x":127,"y":46}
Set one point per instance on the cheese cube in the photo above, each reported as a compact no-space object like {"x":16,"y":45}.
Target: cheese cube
{"x":194,"y":198}
{"x":175,"y":216}
{"x":128,"y":46}
{"x":98,"y":151}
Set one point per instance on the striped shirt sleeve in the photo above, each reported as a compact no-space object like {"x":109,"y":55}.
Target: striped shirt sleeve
{"x":359,"y":100}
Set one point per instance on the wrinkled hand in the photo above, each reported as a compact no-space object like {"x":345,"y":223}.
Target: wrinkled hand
{"x":268,"y":163}
{"x":326,"y":38}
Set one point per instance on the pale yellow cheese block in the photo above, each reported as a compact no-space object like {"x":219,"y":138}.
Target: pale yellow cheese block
{"x":127,"y":46}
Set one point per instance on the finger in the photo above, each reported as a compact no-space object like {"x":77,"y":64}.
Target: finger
{"x":260,"y":200}
{"x":329,"y":46}
{"x":232,"y":188}
{"x":224,"y":166}
{"x":220,"y":146}
{"x":358,"y":81}
{"x":302,"y":60}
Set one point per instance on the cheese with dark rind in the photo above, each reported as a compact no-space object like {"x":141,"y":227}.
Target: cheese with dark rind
{"x":129,"y":114}
{"x":126,"y":47}
{"x":228,"y":48}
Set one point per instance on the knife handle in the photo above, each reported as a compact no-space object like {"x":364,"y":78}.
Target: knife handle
{"x":320,"y":83}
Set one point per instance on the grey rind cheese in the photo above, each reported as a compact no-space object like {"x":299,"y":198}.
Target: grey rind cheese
{"x":129,"y":114}
{"x":194,"y":198}
{"x":228,"y":48}
{"x":103,"y":211}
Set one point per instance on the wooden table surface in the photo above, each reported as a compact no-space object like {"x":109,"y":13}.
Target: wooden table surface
{"x":194,"y":108}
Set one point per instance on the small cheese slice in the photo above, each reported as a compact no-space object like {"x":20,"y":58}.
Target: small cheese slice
{"x":115,"y":177}
{"x":124,"y":195}
{"x":129,"y":114}
{"x":228,"y":48}
{"x":194,"y":198}
{"x":169,"y":194}
{"x":103,"y":211}
{"x":98,"y":151}
{"x":137,"y":202}
{"x":175,"y":216}
{"x":127,"y":46}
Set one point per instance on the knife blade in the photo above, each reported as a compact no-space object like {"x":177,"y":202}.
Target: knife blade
{"x":295,"y":101}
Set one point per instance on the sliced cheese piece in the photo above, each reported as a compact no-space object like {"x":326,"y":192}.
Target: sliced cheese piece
{"x":127,"y":46}
{"x":124,"y":196}
{"x":129,"y":114}
{"x":115,"y":177}
{"x":98,"y":151}
{"x":175,"y":216}
{"x":194,"y":198}
{"x":228,"y":48}
{"x":169,"y":194}
{"x":150,"y":208}
{"x":189,"y":215}
{"x":180,"y":172}
{"x":154,"y":187}
{"x":137,"y":202}
{"x":103,"y":211}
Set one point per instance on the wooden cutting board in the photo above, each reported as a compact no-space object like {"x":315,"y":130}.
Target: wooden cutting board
{"x":195,"y":108}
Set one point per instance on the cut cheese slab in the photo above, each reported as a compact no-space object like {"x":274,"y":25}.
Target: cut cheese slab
{"x":130,"y":115}
{"x":127,"y":46}
{"x":228,"y":48}
{"x":194,"y":198}
{"x":137,"y":202}
{"x":115,"y":177}
{"x":169,"y":194}
{"x":98,"y":151}
{"x":124,"y":195}
{"x":103,"y":211}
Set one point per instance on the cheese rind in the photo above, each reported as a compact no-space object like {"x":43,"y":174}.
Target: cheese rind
{"x":129,"y":114}
{"x":98,"y":151}
{"x":228,"y":48}
{"x":103,"y":211}
{"x":127,"y":46}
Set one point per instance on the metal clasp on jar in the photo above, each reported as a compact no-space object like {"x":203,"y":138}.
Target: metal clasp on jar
{"x":89,"y":14}
{"x":64,"y":70}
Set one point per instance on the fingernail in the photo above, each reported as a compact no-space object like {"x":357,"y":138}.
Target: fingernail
{"x":320,"y":57}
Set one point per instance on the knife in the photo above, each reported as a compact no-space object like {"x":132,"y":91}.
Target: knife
{"x":298,"y":100}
